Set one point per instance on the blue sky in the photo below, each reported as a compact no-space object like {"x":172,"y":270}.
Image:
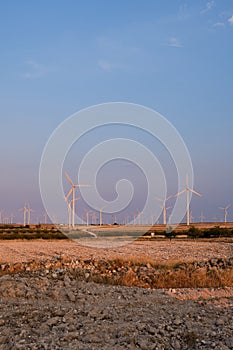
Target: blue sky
{"x":57,"y":57}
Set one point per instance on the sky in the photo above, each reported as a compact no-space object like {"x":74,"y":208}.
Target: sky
{"x":58,"y":57}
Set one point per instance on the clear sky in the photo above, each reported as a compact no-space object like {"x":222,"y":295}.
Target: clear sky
{"x":57,"y":57}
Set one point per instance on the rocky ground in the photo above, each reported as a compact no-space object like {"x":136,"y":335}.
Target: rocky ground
{"x":47,"y":310}
{"x":48,"y":303}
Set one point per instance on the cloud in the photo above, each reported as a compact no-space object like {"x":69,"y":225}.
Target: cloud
{"x":183,"y":13}
{"x":219,"y":24}
{"x":105,"y":65}
{"x":173,"y":42}
{"x":34,"y":70}
{"x":108,"y":66}
{"x":209,"y":6}
{"x":230,"y":20}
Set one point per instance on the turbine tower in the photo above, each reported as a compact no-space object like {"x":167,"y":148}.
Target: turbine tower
{"x":72,"y":191}
{"x":29,"y":213}
{"x":202,"y":217}
{"x":45,"y":217}
{"x":187,"y":190}
{"x":101,"y":216}
{"x":87,"y":216}
{"x":164,"y":201}
{"x":25,"y":210}
{"x":70,"y":205}
{"x":225,"y":212}
{"x":11,"y":218}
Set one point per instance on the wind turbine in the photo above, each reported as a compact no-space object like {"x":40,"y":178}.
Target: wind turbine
{"x":187,"y":189}
{"x":87,"y":216}
{"x":101,"y":216}
{"x":1,"y":212}
{"x":139,"y":213}
{"x":202,"y":217}
{"x":11,"y":218}
{"x":29,"y":213}
{"x":164,"y":201}
{"x":25,"y":210}
{"x":215,"y":218}
{"x":225,"y":212}
{"x":94,"y":219}
{"x":72,"y":191}
{"x":191,"y":217}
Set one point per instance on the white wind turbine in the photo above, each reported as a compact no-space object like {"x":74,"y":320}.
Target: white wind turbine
{"x":25,"y":211}
{"x":202,"y":217}
{"x":45,"y":217}
{"x":29,"y":213}
{"x":187,"y":189}
{"x":191,"y":217}
{"x":72,"y":191}
{"x":225,"y":212}
{"x":164,"y":201}
{"x":138,"y":216}
{"x":101,"y":216}
{"x":11,"y":218}
{"x":87,"y":216}
{"x":93,"y":218}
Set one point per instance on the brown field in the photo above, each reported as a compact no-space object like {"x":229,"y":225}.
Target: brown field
{"x":152,"y":250}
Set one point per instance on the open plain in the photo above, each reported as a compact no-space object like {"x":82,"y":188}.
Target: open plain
{"x":49,"y":298}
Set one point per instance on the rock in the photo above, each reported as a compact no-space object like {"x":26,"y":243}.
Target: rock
{"x":3,"y":339}
{"x":71,"y":295}
{"x":220,"y":322}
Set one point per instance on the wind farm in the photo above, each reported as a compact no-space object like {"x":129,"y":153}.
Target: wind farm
{"x":96,"y":223}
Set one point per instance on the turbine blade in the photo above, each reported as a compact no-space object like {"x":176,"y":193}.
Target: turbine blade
{"x":181,"y":192}
{"x":159,"y":199}
{"x":195,"y":192}
{"x":169,"y":197}
{"x":69,"y":179}
{"x":67,"y":196}
{"x":228,"y":206}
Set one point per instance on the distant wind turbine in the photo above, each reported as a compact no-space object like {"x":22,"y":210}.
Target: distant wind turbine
{"x":87,"y":216}
{"x":191,"y":217}
{"x":72,"y":191}
{"x":11,"y":218}
{"x":164,"y":201}
{"x":25,"y":211}
{"x":225,"y":212}
{"x":101,"y":216}
{"x":187,"y":190}
{"x":29,"y":213}
{"x":45,"y":217}
{"x":215,"y":218}
{"x":202,"y":217}
{"x":93,"y":218}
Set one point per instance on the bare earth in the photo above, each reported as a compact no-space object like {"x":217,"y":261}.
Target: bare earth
{"x":158,"y":251}
{"x":55,"y":310}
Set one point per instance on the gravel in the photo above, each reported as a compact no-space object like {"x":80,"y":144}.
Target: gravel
{"x":53,"y":309}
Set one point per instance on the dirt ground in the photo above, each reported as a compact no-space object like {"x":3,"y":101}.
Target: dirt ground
{"x":158,"y":251}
